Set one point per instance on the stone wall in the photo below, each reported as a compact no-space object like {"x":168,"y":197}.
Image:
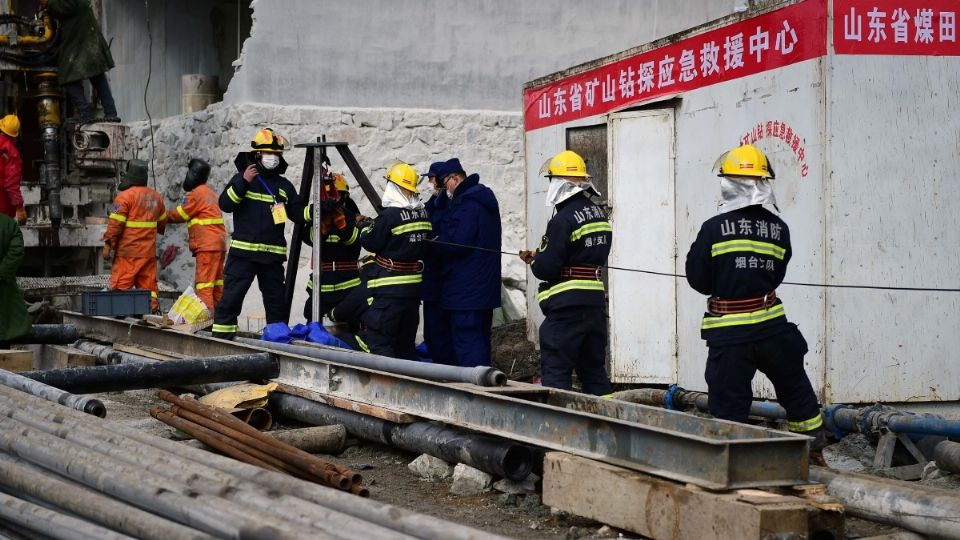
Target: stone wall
{"x":487,"y":142}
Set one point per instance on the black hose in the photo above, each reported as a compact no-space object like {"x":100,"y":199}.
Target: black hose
{"x":490,"y":454}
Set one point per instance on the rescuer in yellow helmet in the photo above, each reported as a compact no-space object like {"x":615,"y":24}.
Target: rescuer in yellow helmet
{"x":572,"y":253}
{"x":398,"y":237}
{"x":261,"y":201}
{"x":738,"y":259}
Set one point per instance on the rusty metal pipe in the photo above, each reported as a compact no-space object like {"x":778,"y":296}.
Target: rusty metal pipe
{"x":213,"y":439}
{"x":230,"y":422}
{"x":312,"y":465}
{"x":209,"y":429}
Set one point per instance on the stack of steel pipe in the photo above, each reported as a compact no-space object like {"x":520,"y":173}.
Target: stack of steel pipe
{"x":66,"y":474}
{"x":239,"y":440}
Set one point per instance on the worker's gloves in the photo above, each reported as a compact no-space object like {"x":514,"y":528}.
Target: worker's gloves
{"x":106,"y":252}
{"x":21,"y":216}
{"x":250,"y":173}
{"x":527,"y":255}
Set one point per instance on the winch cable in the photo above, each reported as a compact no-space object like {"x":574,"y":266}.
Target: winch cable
{"x":668,"y":274}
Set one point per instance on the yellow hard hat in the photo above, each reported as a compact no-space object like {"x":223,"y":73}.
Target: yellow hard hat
{"x":10,"y":125}
{"x":567,"y":163}
{"x":340,"y":182}
{"x":403,"y":175}
{"x":745,"y":160}
{"x":266,"y":140}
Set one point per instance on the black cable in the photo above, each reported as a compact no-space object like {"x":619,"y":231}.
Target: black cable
{"x":153,"y":146}
{"x":668,"y":274}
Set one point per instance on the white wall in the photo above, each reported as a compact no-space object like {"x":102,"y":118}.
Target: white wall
{"x":894,"y":136}
{"x":467,"y":54}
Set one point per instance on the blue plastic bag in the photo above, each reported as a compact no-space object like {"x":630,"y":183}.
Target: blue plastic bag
{"x":299,"y":331}
{"x":319,"y":334}
{"x":277,"y":332}
{"x":423,"y":353}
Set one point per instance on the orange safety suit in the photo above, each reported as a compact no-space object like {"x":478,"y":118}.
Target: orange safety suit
{"x":136,"y":217}
{"x":200,"y":209}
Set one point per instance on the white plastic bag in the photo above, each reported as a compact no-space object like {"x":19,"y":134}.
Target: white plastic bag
{"x":188,"y":309}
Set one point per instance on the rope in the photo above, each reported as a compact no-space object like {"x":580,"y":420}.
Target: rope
{"x":668,"y":274}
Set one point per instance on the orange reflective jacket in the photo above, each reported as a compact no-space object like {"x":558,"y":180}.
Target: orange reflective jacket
{"x":136,"y":217}
{"x":200,"y":209}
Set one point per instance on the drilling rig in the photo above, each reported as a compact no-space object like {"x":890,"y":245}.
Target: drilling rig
{"x":70,"y":169}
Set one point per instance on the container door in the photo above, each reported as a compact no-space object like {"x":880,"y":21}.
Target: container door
{"x":643,"y":307}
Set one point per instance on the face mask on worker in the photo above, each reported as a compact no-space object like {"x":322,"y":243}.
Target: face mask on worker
{"x":738,"y":192}
{"x":562,"y":189}
{"x":269,"y":161}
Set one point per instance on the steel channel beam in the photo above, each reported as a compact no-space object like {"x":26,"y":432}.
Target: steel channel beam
{"x":710,"y":453}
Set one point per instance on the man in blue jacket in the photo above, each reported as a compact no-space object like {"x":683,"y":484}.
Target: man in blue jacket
{"x":435,"y":332}
{"x":471,"y":277}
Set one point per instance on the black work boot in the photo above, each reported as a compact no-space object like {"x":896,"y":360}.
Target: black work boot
{"x":819,"y":442}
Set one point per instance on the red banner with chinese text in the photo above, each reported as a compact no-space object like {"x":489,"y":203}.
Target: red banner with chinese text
{"x":896,"y":27}
{"x":772,"y":40}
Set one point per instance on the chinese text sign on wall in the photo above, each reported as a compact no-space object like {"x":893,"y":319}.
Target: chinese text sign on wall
{"x":779,"y":38}
{"x":903,"y":27}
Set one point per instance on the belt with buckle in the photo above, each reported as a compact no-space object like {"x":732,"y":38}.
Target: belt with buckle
{"x":580,"y":272}
{"x":716,"y":306}
{"x":339,"y":266}
{"x":397,"y":266}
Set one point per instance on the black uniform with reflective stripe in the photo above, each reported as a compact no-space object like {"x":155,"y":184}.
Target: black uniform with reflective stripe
{"x":254,"y":233}
{"x":398,"y":234}
{"x":577,"y":234}
{"x":739,"y":255}
{"x":339,"y":245}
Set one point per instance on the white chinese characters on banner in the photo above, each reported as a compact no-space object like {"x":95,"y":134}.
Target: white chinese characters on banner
{"x":928,"y":25}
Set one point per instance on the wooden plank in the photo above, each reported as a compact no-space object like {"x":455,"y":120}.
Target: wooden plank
{"x":11,"y":360}
{"x":659,"y":508}
{"x":341,"y":403}
{"x":67,"y":357}
{"x":149,"y":352}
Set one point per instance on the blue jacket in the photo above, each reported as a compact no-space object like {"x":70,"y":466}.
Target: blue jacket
{"x":433,"y":274}
{"x":470,"y":277}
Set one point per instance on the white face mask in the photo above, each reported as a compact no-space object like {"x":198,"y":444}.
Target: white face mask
{"x":270,"y":161}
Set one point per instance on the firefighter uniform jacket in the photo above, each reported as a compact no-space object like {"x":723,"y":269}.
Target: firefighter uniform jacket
{"x":136,"y":217}
{"x":340,"y":246}
{"x":738,"y":255}
{"x":255,"y":235}
{"x":578,"y":234}
{"x":398,"y":234}
{"x":200,"y":210}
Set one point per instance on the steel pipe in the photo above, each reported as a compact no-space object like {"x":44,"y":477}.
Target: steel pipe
{"x":332,"y":510}
{"x":86,"y":503}
{"x":923,"y":509}
{"x":677,"y":398}
{"x":881,"y":417}
{"x":85,"y":404}
{"x":239,"y":430}
{"x":50,"y":523}
{"x":49,"y":334}
{"x":205,"y":512}
{"x":480,"y":375}
{"x":489,"y":454}
{"x":947,"y":456}
{"x":314,"y":440}
{"x":161,"y":374}
{"x":194,"y":477}
{"x":107,"y":355}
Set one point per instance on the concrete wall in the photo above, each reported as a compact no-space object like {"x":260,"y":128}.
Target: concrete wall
{"x":487,"y":142}
{"x":468,"y":54}
{"x":189,"y":36}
